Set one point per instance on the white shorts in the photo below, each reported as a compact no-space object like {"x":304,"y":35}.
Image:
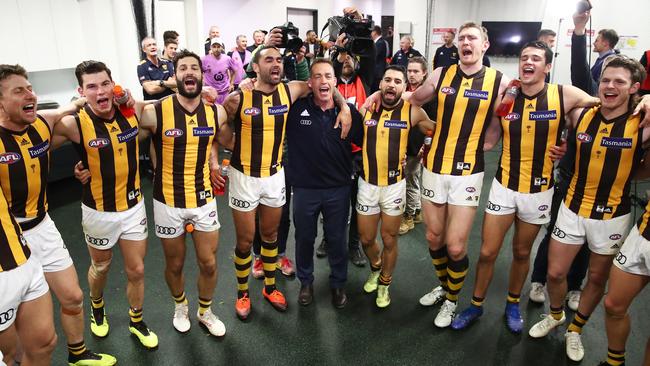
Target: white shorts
{"x":170,"y":221}
{"x":21,"y":284}
{"x":634,"y":256}
{"x":604,"y":237}
{"x":372,"y":199}
{"x":46,"y":244}
{"x":102,"y":230}
{"x":458,"y":190}
{"x":247,"y":192}
{"x":533,"y":208}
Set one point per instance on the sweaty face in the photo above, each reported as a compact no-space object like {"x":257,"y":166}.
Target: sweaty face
{"x":391,"y":87}
{"x":415,"y":73}
{"x":189,"y":77}
{"x":98,"y":90}
{"x":18,"y":101}
{"x":270,"y":66}
{"x":532,"y":66}
{"x":616,"y":87}
{"x":322,"y":82}
{"x":471,"y":46}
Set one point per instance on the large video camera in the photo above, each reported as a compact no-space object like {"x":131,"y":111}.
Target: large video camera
{"x":290,"y":37}
{"x":358,"y":31}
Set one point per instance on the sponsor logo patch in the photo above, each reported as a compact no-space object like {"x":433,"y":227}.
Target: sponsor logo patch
{"x":542,"y":115}
{"x":540,"y":181}
{"x":128,"y":135}
{"x":543,"y":207}
{"x":9,"y":158}
{"x":203,"y":131}
{"x":616,"y":142}
{"x":470,"y":189}
{"x":604,"y":209}
{"x":461,"y":165}
{"x":370,"y":123}
{"x":393,"y":173}
{"x":280,"y":109}
{"x":39,"y":150}
{"x":492,"y":207}
{"x":615,"y":236}
{"x":476,"y":94}
{"x":394,"y":123}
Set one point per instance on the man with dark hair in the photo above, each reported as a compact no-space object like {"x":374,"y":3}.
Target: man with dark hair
{"x":604,"y":44}
{"x":313,"y":46}
{"x":382,"y":52}
{"x":26,"y":135}
{"x":382,"y":189}
{"x":417,"y":73}
{"x":171,"y":46}
{"x":324,"y":161}
{"x":185,"y":132}
{"x":219,"y":70}
{"x":447,"y":54}
{"x":256,"y":180}
{"x":113,"y":210}
{"x":155,"y":74}
{"x":522,"y":191}
{"x":170,"y":34}
{"x":547,"y":36}
{"x":597,"y":207}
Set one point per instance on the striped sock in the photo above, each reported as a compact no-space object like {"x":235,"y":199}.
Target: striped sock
{"x":269,"y":255}
{"x":513,"y":298}
{"x":615,"y":358}
{"x":457,"y":270}
{"x":243,"y":263}
{"x":557,"y":313}
{"x":374,"y":268}
{"x":97,"y":303}
{"x":477,"y":301}
{"x":135,"y":315}
{"x":439,"y":259}
{"x":180,"y":299}
{"x":204,"y":304}
{"x":578,"y":322}
{"x":385,"y":280}
{"x":77,"y":348}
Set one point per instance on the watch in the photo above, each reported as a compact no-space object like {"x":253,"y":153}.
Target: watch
{"x":161,"y":83}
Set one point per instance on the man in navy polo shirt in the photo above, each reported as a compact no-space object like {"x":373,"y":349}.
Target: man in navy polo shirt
{"x":155,"y":74}
{"x":323,"y":186}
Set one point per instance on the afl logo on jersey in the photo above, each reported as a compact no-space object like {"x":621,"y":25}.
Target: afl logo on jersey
{"x":583,"y":137}
{"x":9,"y":158}
{"x":370,"y":123}
{"x":174,"y":132}
{"x":512,"y":116}
{"x":98,"y":143}
{"x":448,"y":90}
{"x":252,"y":111}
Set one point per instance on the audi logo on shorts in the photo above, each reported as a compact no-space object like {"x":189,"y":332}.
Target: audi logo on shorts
{"x":96,"y":241}
{"x":239,"y":203}
{"x":493,"y":207}
{"x":615,"y":236}
{"x":164,"y":230}
{"x":559,"y":233}
{"x":620,"y":258}
{"x":427,"y":192}
{"x":7,"y":316}
{"x":363,"y":208}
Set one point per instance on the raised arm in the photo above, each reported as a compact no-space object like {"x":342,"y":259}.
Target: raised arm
{"x":577,"y":98}
{"x":148,"y":118}
{"x":53,"y":116}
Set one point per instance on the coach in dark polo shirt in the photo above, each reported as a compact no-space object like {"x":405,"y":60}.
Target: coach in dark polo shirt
{"x":324,"y":161}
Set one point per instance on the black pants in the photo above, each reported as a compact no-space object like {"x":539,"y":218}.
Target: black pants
{"x":334,"y":205}
{"x":580,"y":264}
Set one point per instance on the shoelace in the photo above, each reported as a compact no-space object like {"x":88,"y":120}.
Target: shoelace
{"x":447,"y":309}
{"x":574,"y":343}
{"x":181,"y":312}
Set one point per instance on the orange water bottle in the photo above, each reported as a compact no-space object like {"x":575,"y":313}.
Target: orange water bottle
{"x":122,"y":97}
{"x":509,"y":98}
{"x":225,"y":166}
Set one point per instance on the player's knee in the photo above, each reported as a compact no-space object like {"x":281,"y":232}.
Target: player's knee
{"x":208,"y":267}
{"x":521,"y":254}
{"x":555,"y":274}
{"x":434,"y":238}
{"x":456,"y":252}
{"x":135,"y":272}
{"x":613,"y":309}
{"x":41,"y":345}
{"x":99,"y":269}
{"x":72,"y":301}
{"x":597,"y":279}
{"x":488,"y":255}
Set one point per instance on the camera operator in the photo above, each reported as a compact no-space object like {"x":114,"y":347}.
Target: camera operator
{"x":354,"y":74}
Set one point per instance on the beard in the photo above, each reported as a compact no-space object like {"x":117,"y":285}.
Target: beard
{"x":182,"y":91}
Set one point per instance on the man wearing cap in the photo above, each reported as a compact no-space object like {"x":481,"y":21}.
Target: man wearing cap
{"x":219,"y":69}
{"x":155,"y":74}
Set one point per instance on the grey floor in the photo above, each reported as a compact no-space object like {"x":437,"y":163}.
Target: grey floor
{"x":361,"y":334}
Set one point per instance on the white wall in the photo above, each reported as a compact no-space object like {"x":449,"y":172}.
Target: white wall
{"x":627,"y":17}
